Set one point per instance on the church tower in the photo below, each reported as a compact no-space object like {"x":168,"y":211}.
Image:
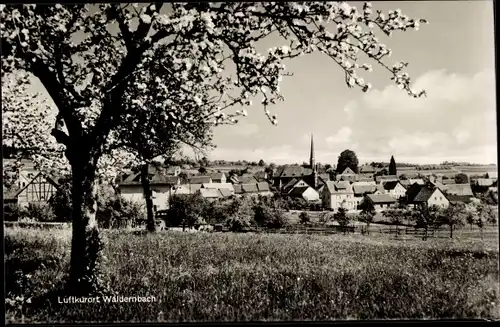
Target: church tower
{"x":312,"y":161}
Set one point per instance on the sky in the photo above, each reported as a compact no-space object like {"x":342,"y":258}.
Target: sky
{"x":452,"y":58}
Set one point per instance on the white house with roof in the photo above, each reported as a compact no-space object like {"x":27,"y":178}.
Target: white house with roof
{"x":162,"y":187}
{"x":347,"y":175}
{"x":337,"y":195}
{"x":394,"y":189}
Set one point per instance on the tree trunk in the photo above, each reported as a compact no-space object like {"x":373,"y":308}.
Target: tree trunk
{"x":451,"y":231}
{"x":150,"y":222}
{"x":85,"y":244}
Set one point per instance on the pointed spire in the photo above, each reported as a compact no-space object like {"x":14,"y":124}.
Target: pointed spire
{"x":312,"y":162}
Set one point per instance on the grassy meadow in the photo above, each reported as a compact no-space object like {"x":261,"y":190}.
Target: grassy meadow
{"x":258,"y":277}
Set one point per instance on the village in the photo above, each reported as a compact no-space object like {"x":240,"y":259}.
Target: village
{"x":323,"y":188}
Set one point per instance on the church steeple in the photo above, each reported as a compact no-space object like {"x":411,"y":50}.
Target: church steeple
{"x":312,"y":161}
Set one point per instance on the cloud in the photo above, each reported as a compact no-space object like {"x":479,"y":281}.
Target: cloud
{"x":456,"y":119}
{"x":343,"y":136}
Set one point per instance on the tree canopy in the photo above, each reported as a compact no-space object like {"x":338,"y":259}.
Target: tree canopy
{"x":349,"y":159}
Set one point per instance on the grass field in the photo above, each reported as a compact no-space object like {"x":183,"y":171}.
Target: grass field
{"x":256,"y":277}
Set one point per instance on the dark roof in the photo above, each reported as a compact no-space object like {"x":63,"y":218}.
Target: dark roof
{"x":199,"y":179}
{"x":459,"y":198}
{"x":225,"y":192}
{"x":293,"y":171}
{"x":387,"y":178}
{"x":290,"y":184}
{"x":366,"y":169}
{"x":390,"y":185}
{"x":157,"y":179}
{"x":249,"y":188}
{"x":419,"y":193}
{"x":381,"y":198}
{"x":263,"y":187}
{"x":217,"y":176}
{"x":458,"y":189}
{"x":298,"y":191}
{"x":237,"y":189}
{"x":247,"y":179}
{"x":362,"y":189}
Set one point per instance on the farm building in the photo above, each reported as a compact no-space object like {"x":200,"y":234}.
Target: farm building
{"x":426,"y":194}
{"x":305,"y":192}
{"x":218,"y":178}
{"x":394,"y":189}
{"x":198,"y":179}
{"x":162,"y":188}
{"x":457,"y":189}
{"x":380,"y":201}
{"x":347,"y":175}
{"x":362,"y":188}
{"x":219,"y":186}
{"x":36,"y":190}
{"x":186,"y":189}
{"x":253,"y":189}
{"x":386,"y":178}
{"x":338,"y":194}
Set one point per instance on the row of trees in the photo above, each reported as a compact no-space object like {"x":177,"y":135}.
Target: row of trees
{"x":235,"y":213}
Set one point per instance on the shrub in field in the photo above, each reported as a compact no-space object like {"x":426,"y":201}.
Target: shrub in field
{"x":12,"y":212}
{"x":116,"y":212}
{"x":304,"y":218}
{"x":426,"y":217}
{"x":270,"y":217}
{"x":185,"y":210}
{"x":41,"y":212}
{"x":454,"y":216}
{"x":342,"y":219}
{"x":60,"y":202}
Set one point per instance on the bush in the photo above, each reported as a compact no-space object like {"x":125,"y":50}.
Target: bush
{"x":185,"y":210}
{"x":60,"y":202}
{"x":304,"y":218}
{"x":116,"y":212}
{"x":40,"y":212}
{"x":269,"y":217}
{"x":12,"y":212}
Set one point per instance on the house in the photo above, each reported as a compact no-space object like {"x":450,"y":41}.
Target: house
{"x":366,"y":173}
{"x":485,"y":182}
{"x":347,"y":175}
{"x":36,"y":190}
{"x":419,"y":181}
{"x":380,"y":201}
{"x":394,"y":189}
{"x":426,"y":194}
{"x":386,"y":178}
{"x":218,"y":177}
{"x":457,"y":189}
{"x":293,"y":184}
{"x":162,"y":188}
{"x":199,"y":179}
{"x":261,"y":176}
{"x":305,"y":192}
{"x":285,"y":174}
{"x":247,"y":179}
{"x":218,"y":186}
{"x":492,"y":175}
{"x":173,"y":171}
{"x":338,"y":194}
{"x":253,"y":189}
{"x":186,"y":189}
{"x":210,"y":194}
{"x":459,"y":198}
{"x":362,"y":188}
